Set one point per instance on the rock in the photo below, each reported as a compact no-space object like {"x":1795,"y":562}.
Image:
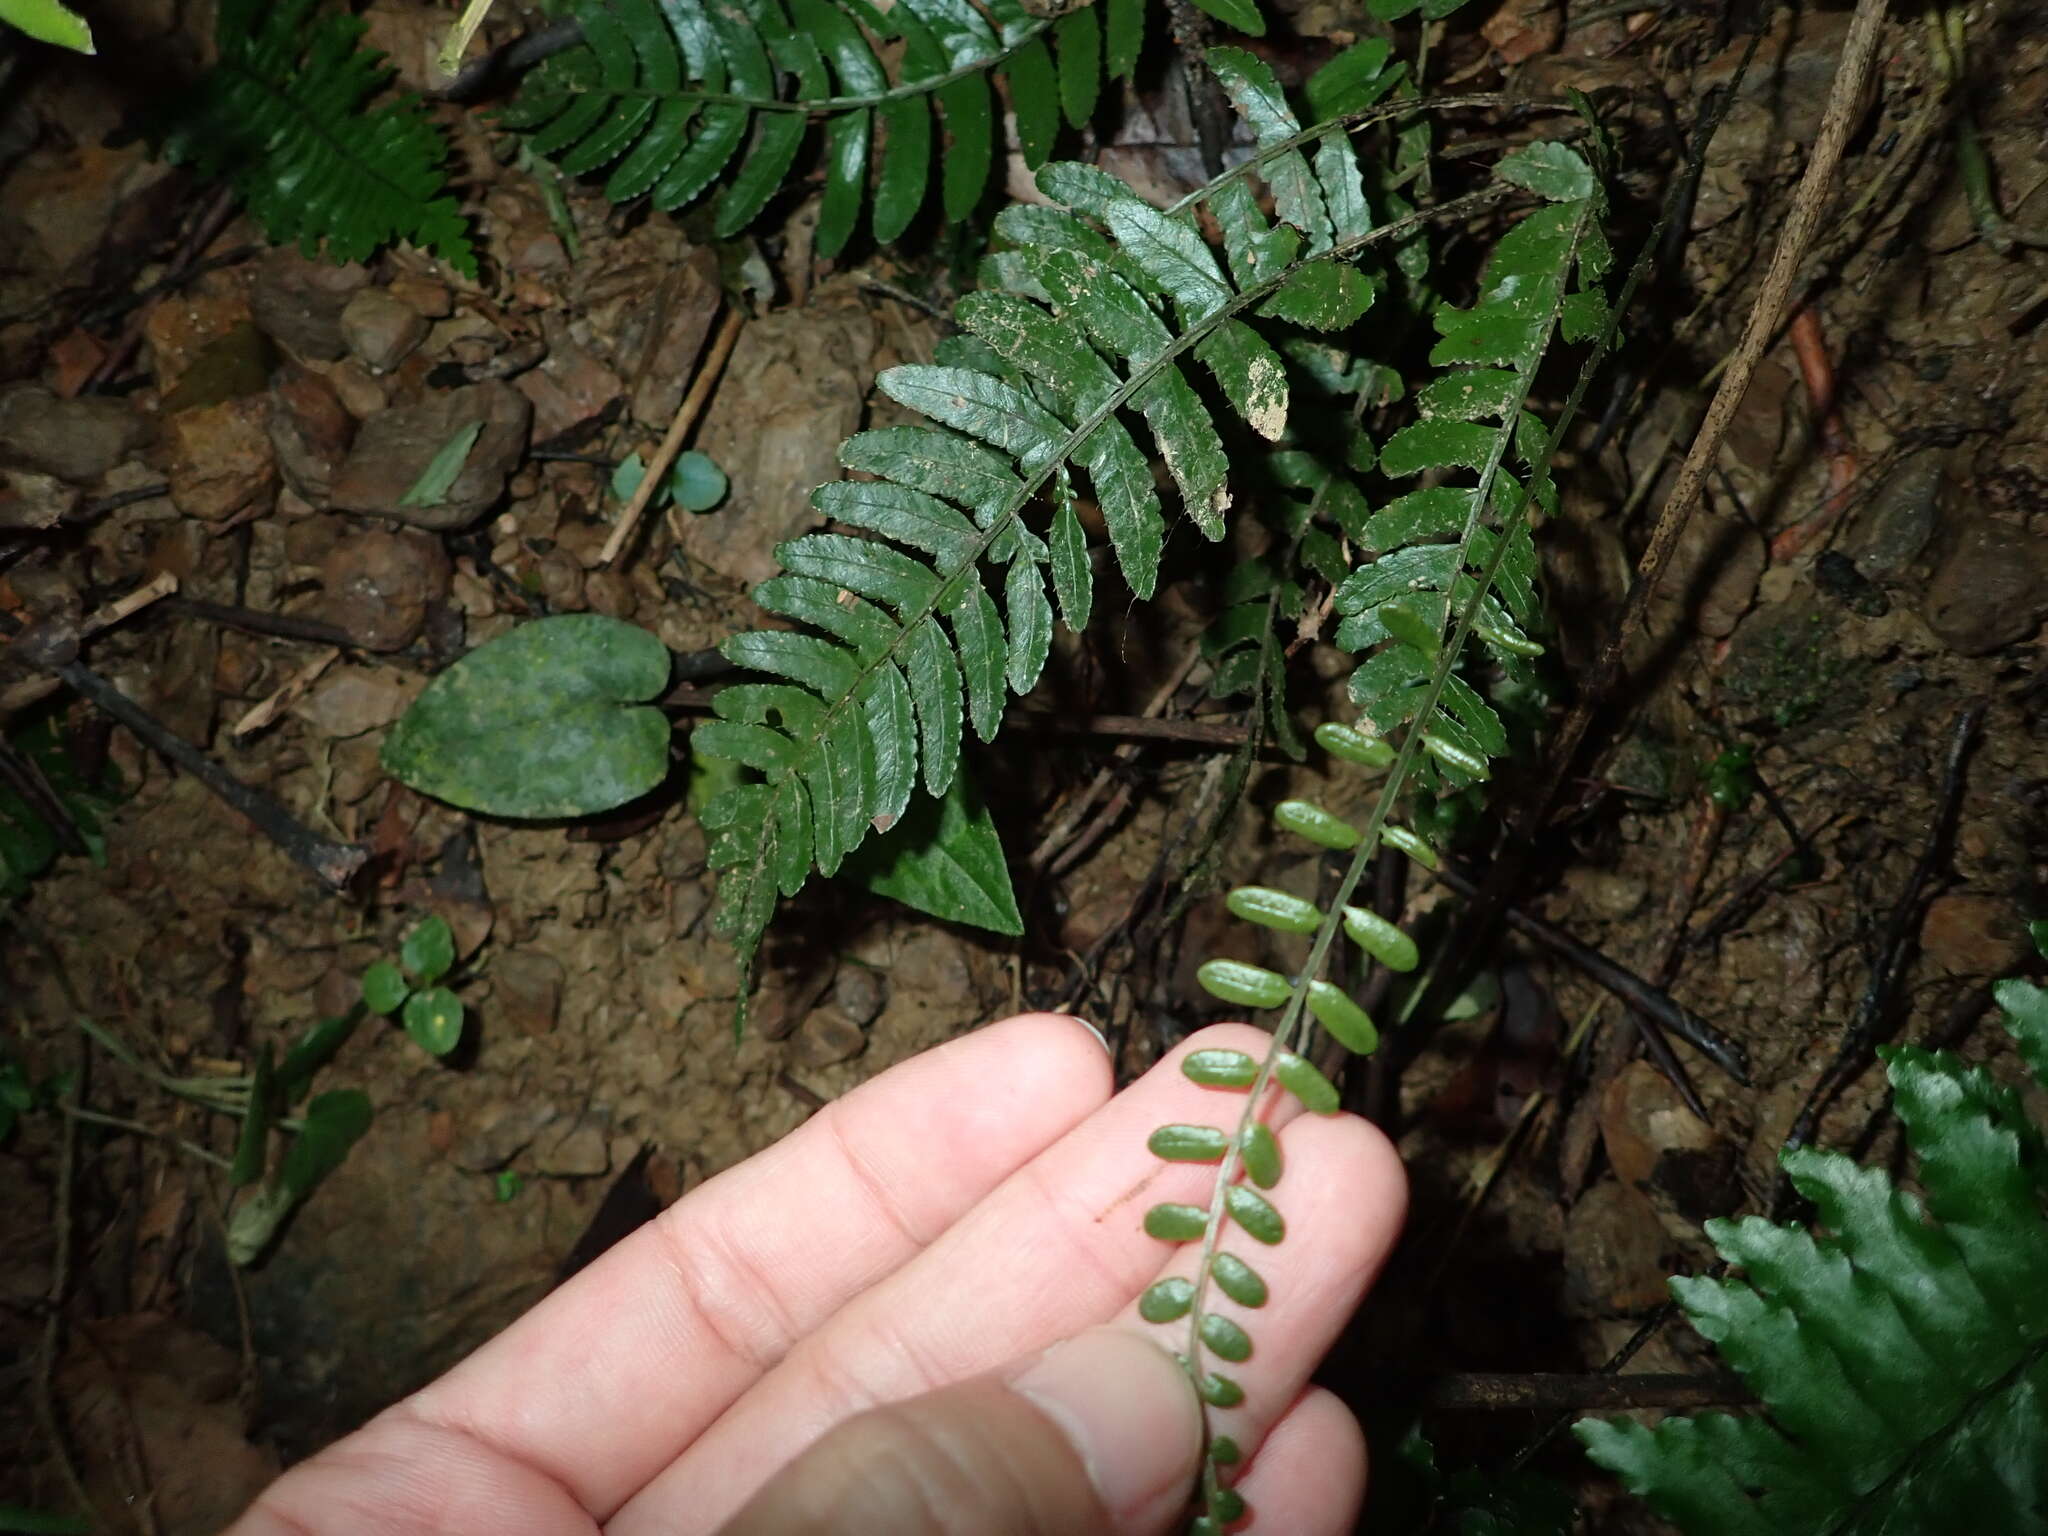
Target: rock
{"x":1606,"y":892}
{"x":351,"y":700}
{"x":501,"y":1134}
{"x":233,"y":364}
{"x":1613,"y":1253}
{"x":378,"y":586}
{"x":581,"y":1152}
{"x":426,"y":296}
{"x":526,"y":990}
{"x":859,"y":992}
{"x":656,"y":343}
{"x":29,"y":500}
{"x":1901,"y":518}
{"x":181,"y":327}
{"x":1787,"y":664}
{"x":381,"y":329}
{"x":310,"y":431}
{"x":392,"y":450}
{"x":68,"y":197}
{"x":298,"y":300}
{"x":219,"y":459}
{"x":826,"y":1037}
{"x":75,"y":440}
{"x":1990,"y":590}
{"x":1971,"y":934}
{"x":795,"y":386}
{"x":361,"y":393}
{"x":1643,"y":1121}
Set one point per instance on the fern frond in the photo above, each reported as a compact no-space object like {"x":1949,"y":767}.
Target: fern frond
{"x":278,"y":117}
{"x":1902,"y":1357}
{"x":672,"y":95}
{"x":1079,"y":346}
{"x":1427,"y":599}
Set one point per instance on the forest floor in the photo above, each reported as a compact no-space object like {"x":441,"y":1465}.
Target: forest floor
{"x":1859,"y":602}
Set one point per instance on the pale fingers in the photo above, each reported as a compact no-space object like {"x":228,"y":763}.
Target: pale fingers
{"x":1056,"y":1249}
{"x":607,"y":1380}
{"x":1308,"y":1479}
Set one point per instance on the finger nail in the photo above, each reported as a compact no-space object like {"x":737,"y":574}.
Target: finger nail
{"x":1128,"y":1409}
{"x":1098,"y":1034}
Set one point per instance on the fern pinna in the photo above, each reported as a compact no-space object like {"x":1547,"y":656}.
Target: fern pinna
{"x":670,"y":95}
{"x":1452,"y":570}
{"x":1901,"y":1355}
{"x":279,"y":117}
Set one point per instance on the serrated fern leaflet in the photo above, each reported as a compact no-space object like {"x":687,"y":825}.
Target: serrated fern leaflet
{"x":278,"y":117}
{"x":1901,"y":1357}
{"x":674,"y":97}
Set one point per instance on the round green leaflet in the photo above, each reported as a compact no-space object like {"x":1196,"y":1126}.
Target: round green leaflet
{"x":1167,"y":1300}
{"x":1343,"y":1018}
{"x":1176,"y":1223}
{"x":1224,"y":1338}
{"x":1410,"y":844}
{"x":1380,"y":939}
{"x":1274,"y":909}
{"x":1316,"y":824}
{"x":434,"y":1020}
{"x":429,"y":950}
{"x":1349,"y":744}
{"x":1238,"y":1280}
{"x":1236,"y":982}
{"x":1219,"y":1069}
{"x":1188,"y":1143}
{"x":1261,"y":1152}
{"x":384,"y":988}
{"x":697,"y":483}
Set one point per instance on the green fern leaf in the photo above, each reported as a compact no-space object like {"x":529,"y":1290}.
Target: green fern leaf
{"x":1073,"y":358}
{"x":278,"y":116}
{"x":669,"y":97}
{"x":1902,"y":1358}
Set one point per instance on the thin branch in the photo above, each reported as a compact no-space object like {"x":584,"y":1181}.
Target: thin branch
{"x":1484,"y":1391}
{"x":1895,"y":946}
{"x":1639,"y":994}
{"x":332,"y":864}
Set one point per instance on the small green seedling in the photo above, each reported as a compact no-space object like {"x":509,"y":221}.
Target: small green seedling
{"x":431,"y":1013}
{"x":695,"y":482}
{"x":506,"y":1185}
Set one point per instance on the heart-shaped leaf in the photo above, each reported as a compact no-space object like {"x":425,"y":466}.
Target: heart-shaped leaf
{"x":549,"y":720}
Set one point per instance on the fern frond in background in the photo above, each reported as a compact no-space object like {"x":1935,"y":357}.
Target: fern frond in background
{"x":1901,"y":1354}
{"x":279,"y":116}
{"x":1096,"y":309}
{"x":1474,"y":420}
{"x":672,"y":96}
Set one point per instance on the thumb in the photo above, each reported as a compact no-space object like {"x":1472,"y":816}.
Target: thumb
{"x":1100,"y":1436}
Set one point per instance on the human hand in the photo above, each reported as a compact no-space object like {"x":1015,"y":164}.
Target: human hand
{"x":860,"y":1329}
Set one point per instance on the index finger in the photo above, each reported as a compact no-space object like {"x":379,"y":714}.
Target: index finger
{"x":606,"y":1381}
